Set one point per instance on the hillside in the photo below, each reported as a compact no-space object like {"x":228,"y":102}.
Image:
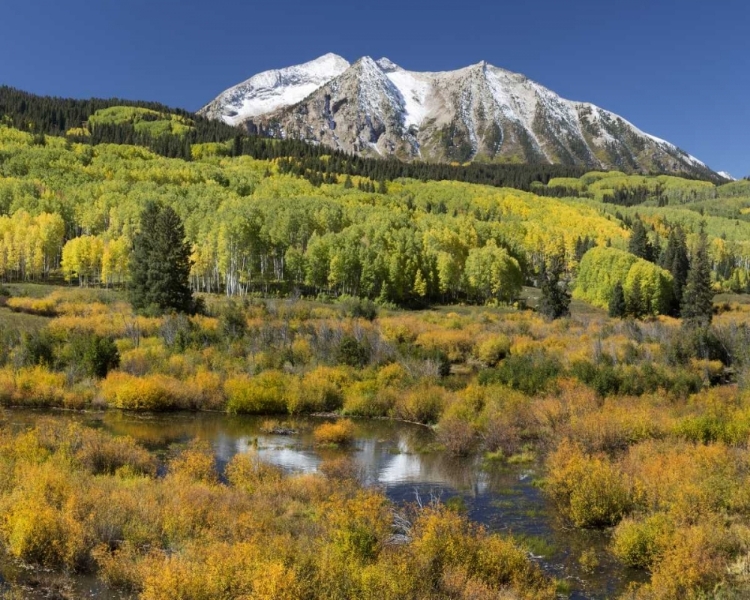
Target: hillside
{"x":72,"y":208}
{"x":478,"y":113}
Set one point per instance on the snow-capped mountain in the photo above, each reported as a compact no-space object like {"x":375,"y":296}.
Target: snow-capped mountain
{"x":271,"y":90}
{"x":480,"y":112}
{"x":726,"y":175}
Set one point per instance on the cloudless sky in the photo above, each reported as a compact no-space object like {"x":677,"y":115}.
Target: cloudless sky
{"x":678,"y":69}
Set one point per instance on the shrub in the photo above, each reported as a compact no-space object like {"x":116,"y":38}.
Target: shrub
{"x":93,"y":354}
{"x":340,"y":433}
{"x":232,"y":322}
{"x":39,"y":348}
{"x":528,"y":373}
{"x":265,"y":393}
{"x":367,"y":399}
{"x":692,"y":566}
{"x":588,"y":490}
{"x":358,"y":308}
{"x":247,"y":472}
{"x":195,"y":463}
{"x":33,"y":387}
{"x":352,"y":352}
{"x":639,"y":543}
{"x":100,"y":453}
{"x":38,"y":533}
{"x":422,"y":404}
{"x":153,"y":392}
{"x":492,"y":350}
{"x":457,"y":435}
{"x":319,"y":390}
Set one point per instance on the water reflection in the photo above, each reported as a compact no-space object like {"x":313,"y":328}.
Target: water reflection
{"x":392,"y":456}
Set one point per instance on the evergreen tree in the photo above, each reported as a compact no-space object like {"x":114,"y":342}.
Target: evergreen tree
{"x":555,"y":300}
{"x":348,"y":183}
{"x":617,"y":306}
{"x":639,"y":243}
{"x":697,"y":296}
{"x":160,"y":266}
{"x":635,"y":304}
{"x":675,"y":260}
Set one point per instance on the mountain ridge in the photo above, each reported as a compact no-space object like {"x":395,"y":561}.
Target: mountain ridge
{"x":477,"y":113}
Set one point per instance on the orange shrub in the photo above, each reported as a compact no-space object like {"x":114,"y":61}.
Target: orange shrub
{"x":340,"y":433}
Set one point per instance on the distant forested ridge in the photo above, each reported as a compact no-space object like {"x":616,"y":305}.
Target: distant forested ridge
{"x":45,"y":115}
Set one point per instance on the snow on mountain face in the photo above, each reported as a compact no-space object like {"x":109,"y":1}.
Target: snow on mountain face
{"x":726,"y":175}
{"x":275,"y":89}
{"x":480,"y":112}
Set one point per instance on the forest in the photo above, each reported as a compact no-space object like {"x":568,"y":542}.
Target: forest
{"x":592,"y":330}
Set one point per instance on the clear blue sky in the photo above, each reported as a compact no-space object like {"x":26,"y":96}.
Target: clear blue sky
{"x":677,"y":69}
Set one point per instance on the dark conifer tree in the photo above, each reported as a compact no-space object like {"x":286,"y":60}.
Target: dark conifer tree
{"x":618,"y":308}
{"x":675,"y":259}
{"x":639,"y":243}
{"x":555,"y":300}
{"x":697,"y":297}
{"x":160,"y":267}
{"x":635,"y":302}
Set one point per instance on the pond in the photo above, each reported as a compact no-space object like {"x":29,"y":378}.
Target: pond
{"x":399,"y":458}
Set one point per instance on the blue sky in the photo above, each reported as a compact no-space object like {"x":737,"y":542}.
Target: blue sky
{"x":677,"y":69}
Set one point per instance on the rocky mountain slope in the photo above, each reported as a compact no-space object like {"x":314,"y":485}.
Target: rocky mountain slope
{"x":478,"y":113}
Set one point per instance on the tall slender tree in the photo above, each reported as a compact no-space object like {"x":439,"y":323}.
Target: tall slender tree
{"x":675,"y":260}
{"x":555,"y":300}
{"x":697,"y":297}
{"x":160,"y":268}
{"x":639,"y":243}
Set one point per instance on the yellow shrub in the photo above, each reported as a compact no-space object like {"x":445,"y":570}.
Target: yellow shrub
{"x":339,"y":433}
{"x":391,"y":375}
{"x":38,"y":533}
{"x":457,"y":344}
{"x":265,"y":393}
{"x":153,"y":392}
{"x":638,"y":543}
{"x":33,"y":386}
{"x":588,"y":490}
{"x":195,"y":463}
{"x":492,"y":350}
{"x":422,"y":404}
{"x":692,"y":565}
{"x":319,"y":390}
{"x":366,"y":399}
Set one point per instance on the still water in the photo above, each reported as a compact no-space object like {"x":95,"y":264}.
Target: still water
{"x":398,"y":458}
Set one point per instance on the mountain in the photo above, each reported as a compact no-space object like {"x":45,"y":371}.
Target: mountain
{"x":726,"y":175}
{"x":478,"y":113}
{"x":272,"y":90}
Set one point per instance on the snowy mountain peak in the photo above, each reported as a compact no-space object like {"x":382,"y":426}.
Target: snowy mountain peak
{"x":270,"y":90}
{"x":480,"y":112}
{"x":726,"y":175}
{"x":386,"y":65}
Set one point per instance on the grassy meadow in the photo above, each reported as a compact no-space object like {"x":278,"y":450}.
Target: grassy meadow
{"x":642,"y":427}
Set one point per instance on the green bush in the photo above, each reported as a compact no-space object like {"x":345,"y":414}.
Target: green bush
{"x":352,"y":352}
{"x":93,"y":354}
{"x":528,"y":373}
